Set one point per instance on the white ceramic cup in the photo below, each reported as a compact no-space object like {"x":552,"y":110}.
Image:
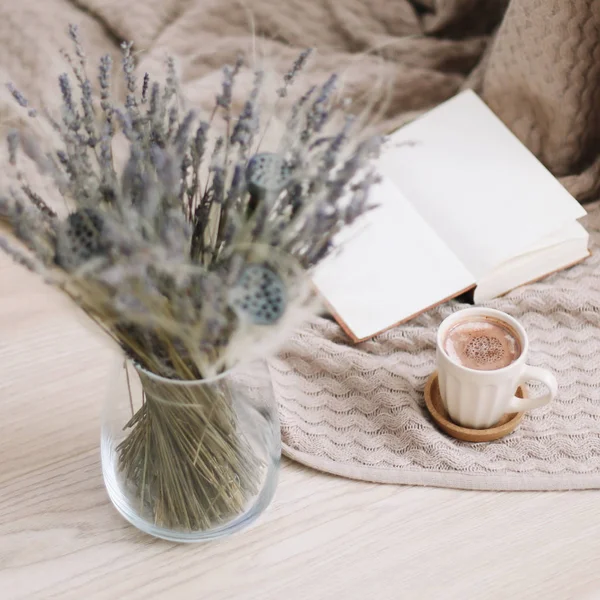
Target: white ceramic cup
{"x":479,"y":399}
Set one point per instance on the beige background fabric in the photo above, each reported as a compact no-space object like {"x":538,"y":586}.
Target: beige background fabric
{"x":536,"y":62}
{"x":357,"y":411}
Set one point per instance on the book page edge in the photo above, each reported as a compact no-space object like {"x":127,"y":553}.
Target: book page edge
{"x":541,"y":277}
{"x":348,"y":331}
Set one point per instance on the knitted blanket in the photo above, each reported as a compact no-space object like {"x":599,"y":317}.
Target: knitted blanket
{"x":358,"y":410}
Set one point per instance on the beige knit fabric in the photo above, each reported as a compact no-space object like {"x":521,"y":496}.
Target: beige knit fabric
{"x":358,"y":411}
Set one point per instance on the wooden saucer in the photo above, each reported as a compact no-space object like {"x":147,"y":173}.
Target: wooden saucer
{"x":435,"y":406}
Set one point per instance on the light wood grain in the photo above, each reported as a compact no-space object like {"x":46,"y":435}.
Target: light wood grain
{"x":323,"y":538}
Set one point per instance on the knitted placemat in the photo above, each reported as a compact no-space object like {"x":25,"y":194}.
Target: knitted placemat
{"x":358,"y":410}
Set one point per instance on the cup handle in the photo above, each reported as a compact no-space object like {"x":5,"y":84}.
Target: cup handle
{"x":544,"y":377}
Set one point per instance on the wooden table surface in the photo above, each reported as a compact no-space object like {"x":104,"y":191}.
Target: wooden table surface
{"x":322,"y":538}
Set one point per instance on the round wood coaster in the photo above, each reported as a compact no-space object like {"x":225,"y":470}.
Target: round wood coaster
{"x":435,"y":406}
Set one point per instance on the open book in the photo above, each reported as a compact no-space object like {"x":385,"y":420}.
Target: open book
{"x":462,"y":204}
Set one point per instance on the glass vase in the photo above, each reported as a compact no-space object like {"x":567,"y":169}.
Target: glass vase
{"x":189,"y":461}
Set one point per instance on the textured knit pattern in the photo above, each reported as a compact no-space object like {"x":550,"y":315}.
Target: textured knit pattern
{"x":358,"y":411}
{"x":546,"y":60}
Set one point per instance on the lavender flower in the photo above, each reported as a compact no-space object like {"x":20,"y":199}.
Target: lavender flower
{"x":145,"y":85}
{"x":224,"y":98}
{"x":229,"y":75}
{"x":70,"y":115}
{"x":217,"y":170}
{"x":158,"y":247}
{"x":290,"y":76}
{"x":17,"y":95}
{"x":248,"y":123}
{"x":318,"y":114}
{"x":200,"y":140}
{"x":105,"y":89}
{"x":74,"y":35}
{"x":181,"y":141}
{"x":173,"y":118}
{"x":39,"y":203}
{"x":129,"y":70}
{"x":171,"y":82}
{"x":154,"y":108}
{"x":13,"y":145}
{"x":104,"y":76}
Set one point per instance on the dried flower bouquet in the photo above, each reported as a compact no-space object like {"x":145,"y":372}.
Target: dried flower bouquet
{"x":192,"y":255}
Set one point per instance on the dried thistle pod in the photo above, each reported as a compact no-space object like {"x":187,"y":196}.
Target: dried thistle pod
{"x":259,"y":295}
{"x":80,"y":237}
{"x":266,"y":175}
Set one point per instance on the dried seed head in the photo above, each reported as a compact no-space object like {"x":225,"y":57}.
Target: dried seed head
{"x":80,"y":238}
{"x":259,"y":295}
{"x":267,"y":174}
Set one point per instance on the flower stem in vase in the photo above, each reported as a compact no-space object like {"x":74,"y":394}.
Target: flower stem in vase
{"x":185,"y":458}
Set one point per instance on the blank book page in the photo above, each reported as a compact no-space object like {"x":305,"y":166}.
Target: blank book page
{"x":391,"y":265}
{"x":484,"y":193}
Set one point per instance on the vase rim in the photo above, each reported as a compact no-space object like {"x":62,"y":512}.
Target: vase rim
{"x":183,"y":382}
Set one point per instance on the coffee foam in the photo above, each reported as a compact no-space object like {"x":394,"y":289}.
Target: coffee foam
{"x":484,"y":349}
{"x":482,"y":343}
